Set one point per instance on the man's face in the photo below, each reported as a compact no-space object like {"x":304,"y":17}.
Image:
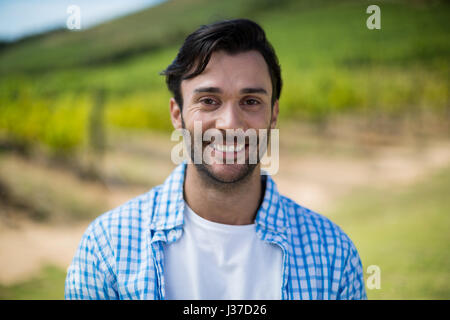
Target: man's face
{"x":233,"y":92}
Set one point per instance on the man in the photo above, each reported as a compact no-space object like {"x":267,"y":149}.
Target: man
{"x":217,"y":230}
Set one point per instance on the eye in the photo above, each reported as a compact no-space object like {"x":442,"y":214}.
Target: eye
{"x":209,"y":101}
{"x":251,"y":102}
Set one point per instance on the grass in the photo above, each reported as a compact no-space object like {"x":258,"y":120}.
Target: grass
{"x":405,"y":232}
{"x":47,"y":285}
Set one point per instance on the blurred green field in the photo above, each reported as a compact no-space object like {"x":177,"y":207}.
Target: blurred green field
{"x":48,"y":285}
{"x":331,"y":64}
{"x":404,"y":232}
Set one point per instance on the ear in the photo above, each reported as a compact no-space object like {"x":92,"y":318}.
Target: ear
{"x":275,"y":111}
{"x":175,"y":114}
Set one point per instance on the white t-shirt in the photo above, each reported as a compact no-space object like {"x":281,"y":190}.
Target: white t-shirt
{"x":220,"y":261}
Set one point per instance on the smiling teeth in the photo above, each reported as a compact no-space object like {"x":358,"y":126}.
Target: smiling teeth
{"x":228,"y":148}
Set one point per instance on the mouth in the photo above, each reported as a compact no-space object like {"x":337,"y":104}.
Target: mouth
{"x":228,"y":151}
{"x":228,"y":148}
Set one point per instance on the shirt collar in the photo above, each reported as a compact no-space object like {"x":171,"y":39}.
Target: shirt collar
{"x":169,"y":204}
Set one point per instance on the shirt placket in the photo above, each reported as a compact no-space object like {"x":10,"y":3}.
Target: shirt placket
{"x":160,"y":237}
{"x":280,"y":240}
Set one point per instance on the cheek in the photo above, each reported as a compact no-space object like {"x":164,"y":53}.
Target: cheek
{"x":259,"y":119}
{"x":192,"y":117}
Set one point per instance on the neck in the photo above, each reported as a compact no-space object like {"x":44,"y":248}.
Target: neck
{"x":236,"y":205}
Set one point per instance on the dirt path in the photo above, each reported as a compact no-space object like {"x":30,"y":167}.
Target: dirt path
{"x":313,"y":180}
{"x":316,"y":182}
{"x":25,"y":249}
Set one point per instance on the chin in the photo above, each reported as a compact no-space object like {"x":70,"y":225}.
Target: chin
{"x":228,"y":173}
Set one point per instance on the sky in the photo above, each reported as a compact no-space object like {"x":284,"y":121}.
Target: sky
{"x":19,"y":18}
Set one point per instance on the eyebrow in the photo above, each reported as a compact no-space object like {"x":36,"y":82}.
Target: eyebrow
{"x":254,"y":90}
{"x":218,"y":90}
{"x":208,"y":89}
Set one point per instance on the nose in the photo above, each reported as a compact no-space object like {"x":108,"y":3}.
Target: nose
{"x":230,"y":117}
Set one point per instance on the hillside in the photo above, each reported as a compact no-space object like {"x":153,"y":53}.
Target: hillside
{"x":147,"y":30}
{"x":331,"y":65}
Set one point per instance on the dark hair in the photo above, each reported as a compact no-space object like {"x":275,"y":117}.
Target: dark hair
{"x":232,"y":36}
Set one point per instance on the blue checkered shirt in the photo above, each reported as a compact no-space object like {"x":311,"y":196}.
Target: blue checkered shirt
{"x":120,"y":256}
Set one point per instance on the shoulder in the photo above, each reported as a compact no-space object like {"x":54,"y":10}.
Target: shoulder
{"x":323,"y":245}
{"x":314,"y":228}
{"x":130,"y":217}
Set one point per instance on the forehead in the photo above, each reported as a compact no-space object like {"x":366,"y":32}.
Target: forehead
{"x":232,"y":72}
